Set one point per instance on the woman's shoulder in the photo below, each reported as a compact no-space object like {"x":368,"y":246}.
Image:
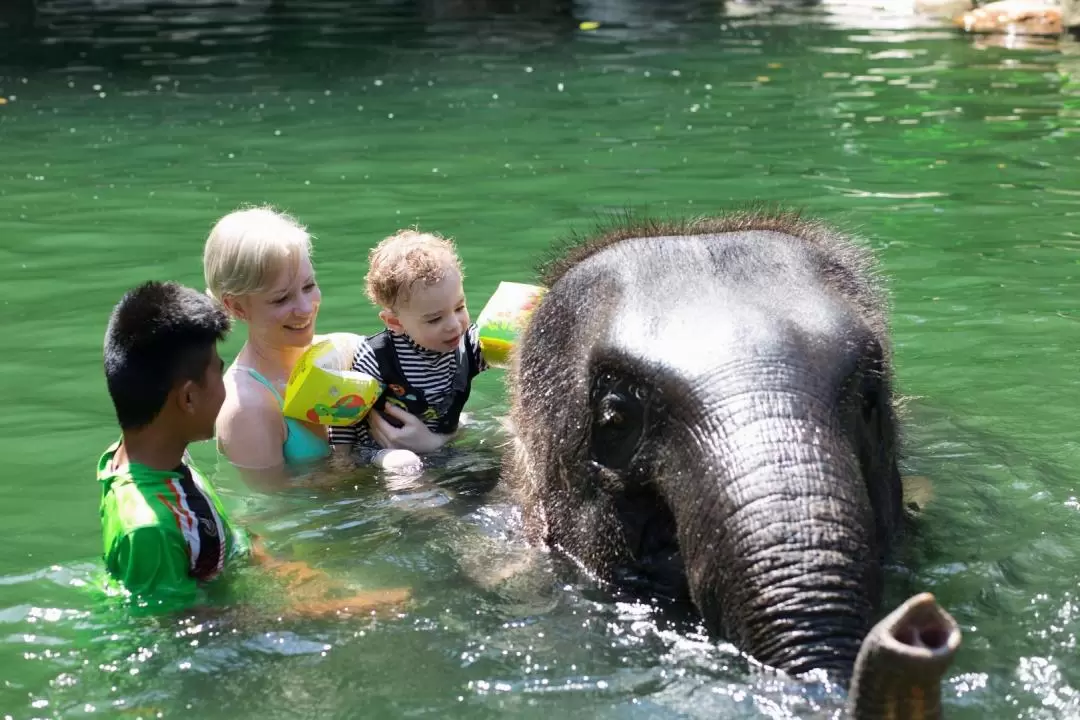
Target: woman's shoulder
{"x":250,"y":426}
{"x":246,"y":397}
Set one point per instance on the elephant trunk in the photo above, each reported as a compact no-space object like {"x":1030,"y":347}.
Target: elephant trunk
{"x":780,"y":548}
{"x":902,"y":661}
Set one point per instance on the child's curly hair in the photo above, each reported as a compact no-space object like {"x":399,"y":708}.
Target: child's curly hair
{"x":406,"y":257}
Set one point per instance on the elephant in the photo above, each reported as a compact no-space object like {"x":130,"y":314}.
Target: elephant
{"x":703,"y":410}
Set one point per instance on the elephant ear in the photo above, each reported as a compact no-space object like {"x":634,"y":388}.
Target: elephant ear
{"x":918,"y":493}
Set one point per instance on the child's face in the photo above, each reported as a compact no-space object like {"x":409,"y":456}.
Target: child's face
{"x":284,"y":316}
{"x":434,"y":316}
{"x":202,"y":401}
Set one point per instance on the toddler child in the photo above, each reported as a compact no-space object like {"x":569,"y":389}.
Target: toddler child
{"x":426,"y":357}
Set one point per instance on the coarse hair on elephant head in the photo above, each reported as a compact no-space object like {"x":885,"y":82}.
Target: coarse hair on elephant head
{"x":704,"y":409}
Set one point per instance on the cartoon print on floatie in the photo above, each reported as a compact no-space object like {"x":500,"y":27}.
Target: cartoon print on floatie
{"x":347,"y":407}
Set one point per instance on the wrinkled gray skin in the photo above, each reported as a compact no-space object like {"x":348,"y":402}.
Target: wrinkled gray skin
{"x":704,"y":411}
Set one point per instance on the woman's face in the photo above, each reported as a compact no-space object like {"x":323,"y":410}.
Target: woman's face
{"x":284,"y":315}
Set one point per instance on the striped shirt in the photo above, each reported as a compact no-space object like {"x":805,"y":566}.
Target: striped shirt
{"x":429,"y":371}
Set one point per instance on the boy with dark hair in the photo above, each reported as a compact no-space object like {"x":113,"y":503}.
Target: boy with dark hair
{"x":164,"y":529}
{"x":163,"y":526}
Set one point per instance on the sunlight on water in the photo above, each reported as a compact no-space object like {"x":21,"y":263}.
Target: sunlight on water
{"x":127,"y":128}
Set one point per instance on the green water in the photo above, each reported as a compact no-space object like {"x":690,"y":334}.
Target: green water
{"x":129,"y":130}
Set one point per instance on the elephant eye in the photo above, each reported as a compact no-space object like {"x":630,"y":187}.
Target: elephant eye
{"x":870,"y":405}
{"x":871,"y":384}
{"x":618,"y":407}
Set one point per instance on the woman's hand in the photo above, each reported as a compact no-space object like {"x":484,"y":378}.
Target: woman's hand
{"x":412,"y":435}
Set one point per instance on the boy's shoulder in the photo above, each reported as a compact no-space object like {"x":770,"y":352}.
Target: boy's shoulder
{"x":135,"y":496}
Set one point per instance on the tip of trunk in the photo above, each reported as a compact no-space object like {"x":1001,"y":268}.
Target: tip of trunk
{"x":920,"y":630}
{"x":901,"y":663}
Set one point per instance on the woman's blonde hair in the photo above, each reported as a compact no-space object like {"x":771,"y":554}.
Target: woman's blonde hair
{"x":404,"y":258}
{"x":249,"y":248}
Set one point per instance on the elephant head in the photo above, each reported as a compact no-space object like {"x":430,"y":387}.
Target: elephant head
{"x":703,"y":410}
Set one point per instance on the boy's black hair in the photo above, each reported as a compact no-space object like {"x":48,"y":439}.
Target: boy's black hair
{"x":159,"y":334}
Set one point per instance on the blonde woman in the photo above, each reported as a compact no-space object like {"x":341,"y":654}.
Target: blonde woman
{"x":257,"y":264}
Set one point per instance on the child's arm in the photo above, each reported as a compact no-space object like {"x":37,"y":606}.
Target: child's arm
{"x":344,"y":437}
{"x":413,"y":435}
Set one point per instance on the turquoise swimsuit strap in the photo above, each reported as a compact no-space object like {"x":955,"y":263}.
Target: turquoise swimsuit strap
{"x":301,"y":445}
{"x":259,"y":376}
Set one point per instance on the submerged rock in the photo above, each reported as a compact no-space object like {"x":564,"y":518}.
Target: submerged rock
{"x":1021,"y":17}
